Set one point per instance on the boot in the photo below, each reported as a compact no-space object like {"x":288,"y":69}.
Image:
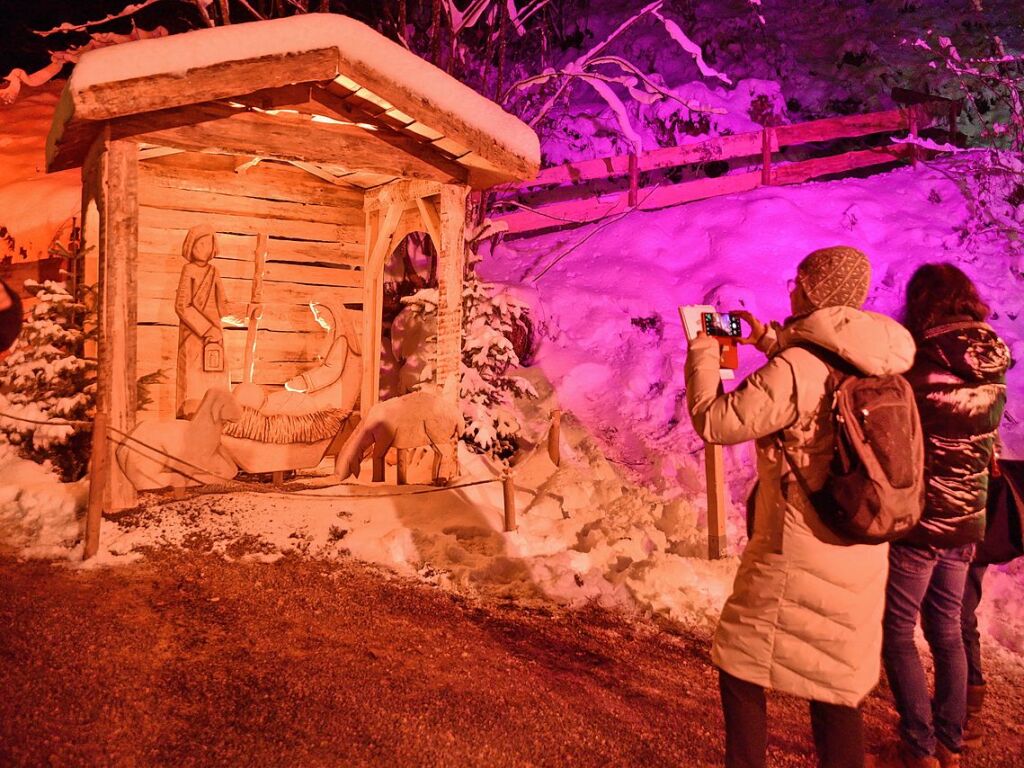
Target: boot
{"x":974,"y":727}
{"x":946,"y":757}
{"x":907,"y":759}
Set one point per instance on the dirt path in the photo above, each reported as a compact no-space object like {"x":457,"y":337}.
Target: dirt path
{"x":185,"y":659}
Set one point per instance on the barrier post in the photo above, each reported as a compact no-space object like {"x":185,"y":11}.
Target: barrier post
{"x":634,"y":179}
{"x":509,"y":493}
{"x":714,"y":472}
{"x":554,"y":438}
{"x":97,"y":485}
{"x":766,"y":155}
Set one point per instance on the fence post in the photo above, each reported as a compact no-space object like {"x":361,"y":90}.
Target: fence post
{"x":634,"y":179}
{"x":509,"y":492}
{"x":912,"y":124}
{"x":714,"y":473}
{"x":98,"y":474}
{"x":954,"y":113}
{"x":766,"y":155}
{"x":554,"y":438}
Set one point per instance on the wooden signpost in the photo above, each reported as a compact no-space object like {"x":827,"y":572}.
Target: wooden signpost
{"x":714,"y":473}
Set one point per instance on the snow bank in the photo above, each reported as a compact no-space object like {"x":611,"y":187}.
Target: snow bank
{"x":613,"y":345}
{"x":39,"y":515}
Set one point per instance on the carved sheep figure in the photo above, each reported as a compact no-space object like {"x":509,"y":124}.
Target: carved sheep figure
{"x":196,"y":441}
{"x":423,"y":418}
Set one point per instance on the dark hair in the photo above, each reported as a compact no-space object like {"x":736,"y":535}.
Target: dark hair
{"x":938,"y":293}
{"x":10,"y":319}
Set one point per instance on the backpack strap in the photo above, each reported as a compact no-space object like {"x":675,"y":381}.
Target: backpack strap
{"x":838,"y":371}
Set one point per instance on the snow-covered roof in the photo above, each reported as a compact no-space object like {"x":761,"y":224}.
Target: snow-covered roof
{"x":414,"y":97}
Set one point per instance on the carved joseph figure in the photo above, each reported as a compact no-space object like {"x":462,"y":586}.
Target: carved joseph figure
{"x":200,"y":305}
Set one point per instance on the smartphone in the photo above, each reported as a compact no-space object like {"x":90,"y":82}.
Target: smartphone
{"x":721,"y":324}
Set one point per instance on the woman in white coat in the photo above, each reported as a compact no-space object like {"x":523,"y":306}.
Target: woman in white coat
{"x":805,"y":614}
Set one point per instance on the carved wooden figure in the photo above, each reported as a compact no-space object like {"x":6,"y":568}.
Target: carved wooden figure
{"x":200,"y":305}
{"x":148,"y":456}
{"x":293,"y":427}
{"x":423,"y":418}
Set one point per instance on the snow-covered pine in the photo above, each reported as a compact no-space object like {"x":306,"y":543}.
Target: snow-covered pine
{"x":46,"y":378}
{"x":492,"y":319}
{"x":492,"y":323}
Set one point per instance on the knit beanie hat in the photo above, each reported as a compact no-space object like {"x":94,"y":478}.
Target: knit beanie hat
{"x":835,"y":277}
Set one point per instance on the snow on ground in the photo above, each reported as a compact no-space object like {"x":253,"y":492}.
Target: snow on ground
{"x":585,"y":533}
{"x":39,"y":515}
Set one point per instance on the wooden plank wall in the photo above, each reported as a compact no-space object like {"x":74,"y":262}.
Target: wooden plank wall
{"x":315,"y":253}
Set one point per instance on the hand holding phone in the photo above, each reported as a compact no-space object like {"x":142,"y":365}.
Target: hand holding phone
{"x":757,"y":328}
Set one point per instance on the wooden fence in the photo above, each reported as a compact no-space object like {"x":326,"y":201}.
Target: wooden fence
{"x":588,"y":204}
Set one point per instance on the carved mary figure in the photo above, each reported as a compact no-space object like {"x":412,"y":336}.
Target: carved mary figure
{"x":200,"y":305}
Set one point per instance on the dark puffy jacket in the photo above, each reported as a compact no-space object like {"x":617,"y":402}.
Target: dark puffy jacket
{"x":959,"y":381}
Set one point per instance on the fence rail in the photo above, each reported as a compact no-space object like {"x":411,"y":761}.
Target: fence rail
{"x":589,"y":204}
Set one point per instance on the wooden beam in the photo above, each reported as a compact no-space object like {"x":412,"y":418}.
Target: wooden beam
{"x":400,"y":192}
{"x":575,"y":212}
{"x":391,"y":134}
{"x":118,"y":289}
{"x":380,"y":230}
{"x":431,"y":219}
{"x":106,"y":101}
{"x":451,"y":264}
{"x":725,"y":147}
{"x":848,"y":126}
{"x":214,"y":127}
{"x":795,"y":173}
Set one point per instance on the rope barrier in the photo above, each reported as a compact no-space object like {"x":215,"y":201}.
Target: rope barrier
{"x":231,"y":484}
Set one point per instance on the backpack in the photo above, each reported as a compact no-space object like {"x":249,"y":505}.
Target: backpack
{"x":874,"y":491}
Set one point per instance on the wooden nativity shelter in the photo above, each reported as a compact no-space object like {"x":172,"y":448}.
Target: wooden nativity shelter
{"x":313,"y":137}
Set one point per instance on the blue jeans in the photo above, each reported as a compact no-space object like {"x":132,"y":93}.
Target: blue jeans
{"x":969,"y":623}
{"x":929,"y":582}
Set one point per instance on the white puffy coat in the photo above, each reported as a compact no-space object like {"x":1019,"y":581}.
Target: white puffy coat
{"x":805,"y":614}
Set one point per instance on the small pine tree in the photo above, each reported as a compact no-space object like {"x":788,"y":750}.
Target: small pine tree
{"x":491,"y":319}
{"x":46,"y":378}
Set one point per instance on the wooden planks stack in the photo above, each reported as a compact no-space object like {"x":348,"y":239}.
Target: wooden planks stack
{"x":315,"y":253}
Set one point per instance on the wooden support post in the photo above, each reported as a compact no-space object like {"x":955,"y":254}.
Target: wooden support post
{"x":116,"y":382}
{"x":97,"y":492}
{"x":767,"y":134}
{"x":178,"y":493}
{"x":714,"y":472}
{"x":954,"y":113}
{"x":403,"y":465}
{"x":554,"y":438}
{"x":380,"y":232}
{"x":378,"y":469}
{"x":451,"y":265}
{"x":509,"y":493}
{"x":277,"y":478}
{"x":634,"y":179}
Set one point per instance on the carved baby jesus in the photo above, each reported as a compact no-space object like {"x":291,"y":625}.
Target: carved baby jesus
{"x":201,"y":308}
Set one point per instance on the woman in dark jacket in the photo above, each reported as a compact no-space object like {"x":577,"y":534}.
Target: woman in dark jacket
{"x":959,"y":380}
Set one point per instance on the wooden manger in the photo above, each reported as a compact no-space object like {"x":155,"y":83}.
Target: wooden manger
{"x":310,"y":146}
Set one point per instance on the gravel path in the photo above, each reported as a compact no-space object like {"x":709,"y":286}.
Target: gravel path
{"x":186,"y":659}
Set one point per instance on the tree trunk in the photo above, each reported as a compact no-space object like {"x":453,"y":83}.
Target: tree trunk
{"x":435,"y":34}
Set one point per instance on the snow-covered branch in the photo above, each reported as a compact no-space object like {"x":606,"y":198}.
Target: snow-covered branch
{"x":127,"y":11}
{"x":18,"y":77}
